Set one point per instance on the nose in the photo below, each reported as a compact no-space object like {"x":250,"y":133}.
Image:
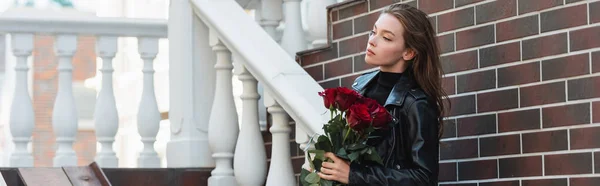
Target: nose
{"x":371,"y":41}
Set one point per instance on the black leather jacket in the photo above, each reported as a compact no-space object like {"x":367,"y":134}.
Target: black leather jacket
{"x":410,"y":149}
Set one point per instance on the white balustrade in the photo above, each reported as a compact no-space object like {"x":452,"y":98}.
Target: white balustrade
{"x":250,"y":157}
{"x":271,"y":13}
{"x":280,"y":171}
{"x":223,"y":126}
{"x":148,"y":117}
{"x":106,"y":117}
{"x":293,"y":39}
{"x":21,"y":111}
{"x":64,"y":114}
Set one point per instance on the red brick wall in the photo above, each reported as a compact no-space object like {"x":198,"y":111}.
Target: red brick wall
{"x":45,"y":79}
{"x":522,"y":77}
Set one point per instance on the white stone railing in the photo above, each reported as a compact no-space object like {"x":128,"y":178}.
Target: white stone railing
{"x":23,"y":25}
{"x":289,"y":90}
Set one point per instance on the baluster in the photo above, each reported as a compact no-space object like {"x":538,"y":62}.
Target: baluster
{"x":280,"y":171}
{"x":317,"y":20}
{"x":271,"y":13}
{"x":64,"y":115}
{"x":148,"y":115}
{"x":250,"y":156}
{"x":303,"y":140}
{"x":223,"y":126}
{"x":21,"y":111}
{"x":105,"y":114}
{"x":293,"y":35}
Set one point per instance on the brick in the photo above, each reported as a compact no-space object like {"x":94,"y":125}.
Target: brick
{"x":334,"y":15}
{"x":353,"y":10}
{"x":456,"y":19}
{"x":585,"y":138}
{"x":597,"y":162}
{"x":365,"y":22}
{"x":500,"y":145}
{"x":571,"y":1}
{"x":476,"y":81}
{"x":447,"y":172}
{"x":584,"y":88}
{"x":449,"y":128}
{"x":360,"y":64}
{"x":495,"y":10}
{"x":475,"y":37}
{"x":561,"y":164}
{"x":536,"y":5}
{"x":545,"y":141}
{"x":517,"y":28}
{"x":520,"y":167}
{"x":596,"y":111}
{"x":500,"y":183}
{"x":575,"y":114}
{"x":595,"y":62}
{"x":432,"y":6}
{"x":297,"y":164}
{"x":315,"y":72}
{"x":348,"y":81}
{"x":498,"y":100}
{"x":565,"y":67}
{"x":519,"y":120}
{"x":518,"y":75}
{"x":459,"y":149}
{"x":338,"y":68}
{"x":543,"y":94}
{"x":476,"y":125}
{"x":594,"y":12}
{"x":545,"y":182}
{"x":461,"y":105}
{"x":459,"y":3}
{"x":459,"y":62}
{"x":448,"y":83}
{"x":563,"y":18}
{"x":330,"y":84}
{"x":500,"y":54}
{"x":353,"y":45}
{"x":460,"y":184}
{"x":446,"y":43}
{"x":585,"y":38}
{"x":343,"y":29}
{"x":477,"y":170}
{"x":544,"y":46}
{"x":584,"y":181}
{"x":320,"y":56}
{"x":376,"y":4}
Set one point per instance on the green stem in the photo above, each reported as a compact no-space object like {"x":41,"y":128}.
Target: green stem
{"x":347,"y":132}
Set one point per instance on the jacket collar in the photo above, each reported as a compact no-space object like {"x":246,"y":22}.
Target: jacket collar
{"x":399,"y":91}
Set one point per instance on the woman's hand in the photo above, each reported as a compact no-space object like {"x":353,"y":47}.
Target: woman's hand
{"x":336,"y":171}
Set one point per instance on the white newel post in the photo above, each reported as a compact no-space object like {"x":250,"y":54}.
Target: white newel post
{"x":293,"y":39}
{"x":148,"y":117}
{"x":271,"y":13}
{"x":317,"y":20}
{"x":223,"y":126}
{"x":106,"y":118}
{"x":250,"y":156}
{"x":64,"y":115}
{"x":191,"y":88}
{"x":280,"y":171}
{"x":21,"y":111}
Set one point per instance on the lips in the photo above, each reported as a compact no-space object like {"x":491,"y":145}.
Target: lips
{"x":370,"y":52}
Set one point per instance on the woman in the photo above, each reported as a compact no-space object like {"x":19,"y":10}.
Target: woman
{"x":408,"y":83}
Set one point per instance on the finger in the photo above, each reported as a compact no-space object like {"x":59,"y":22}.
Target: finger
{"x":327,"y":177}
{"x":328,"y":165}
{"x":327,"y":171}
{"x":331,"y":156}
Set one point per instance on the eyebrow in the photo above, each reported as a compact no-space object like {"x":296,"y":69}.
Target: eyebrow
{"x":384,"y":30}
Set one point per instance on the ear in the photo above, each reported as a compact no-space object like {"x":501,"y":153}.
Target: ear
{"x":409,"y":54}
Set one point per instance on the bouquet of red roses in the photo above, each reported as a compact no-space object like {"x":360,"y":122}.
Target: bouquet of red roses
{"x":353,"y":118}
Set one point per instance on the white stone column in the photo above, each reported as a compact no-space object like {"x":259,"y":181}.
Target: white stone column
{"x":64,"y":115}
{"x":271,"y":13}
{"x":191,"y":88}
{"x":148,"y":116}
{"x":22,"y":118}
{"x":293,"y":39}
{"x":106,"y":117}
{"x":250,"y":156}
{"x":280,"y":171}
{"x":223,"y":126}
{"x":317,"y":20}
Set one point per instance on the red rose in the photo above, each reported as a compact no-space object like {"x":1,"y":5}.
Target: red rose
{"x":329,"y":97}
{"x":371,"y":104}
{"x":358,"y":117}
{"x":381,"y":117}
{"x":346,"y":97}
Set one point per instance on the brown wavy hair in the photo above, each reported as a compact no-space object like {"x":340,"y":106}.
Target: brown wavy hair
{"x":419,"y":36}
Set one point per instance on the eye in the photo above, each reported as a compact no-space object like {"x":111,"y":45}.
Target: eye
{"x":387,"y":39}
{"x":371,"y":33}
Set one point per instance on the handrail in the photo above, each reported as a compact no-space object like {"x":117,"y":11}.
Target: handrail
{"x":289,"y":84}
{"x":42,"y":21}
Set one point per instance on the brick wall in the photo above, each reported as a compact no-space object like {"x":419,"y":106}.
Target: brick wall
{"x":45,"y":86}
{"x":523,"y":78}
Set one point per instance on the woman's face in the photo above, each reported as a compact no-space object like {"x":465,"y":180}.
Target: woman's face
{"x":386,"y":47}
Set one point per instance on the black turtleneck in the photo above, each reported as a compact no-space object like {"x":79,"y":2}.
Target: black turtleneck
{"x":381,"y":90}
